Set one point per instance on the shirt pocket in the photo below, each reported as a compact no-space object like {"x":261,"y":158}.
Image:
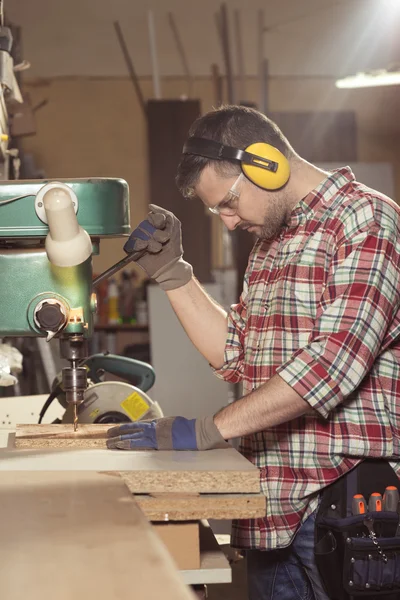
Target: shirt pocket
{"x":301,"y":282}
{"x":258,"y":303}
{"x":280,"y":319}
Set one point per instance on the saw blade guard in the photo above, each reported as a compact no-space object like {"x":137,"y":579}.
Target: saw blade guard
{"x":138,"y":373}
{"x":114,"y":402}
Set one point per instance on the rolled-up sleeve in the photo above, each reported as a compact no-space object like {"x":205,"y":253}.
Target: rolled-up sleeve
{"x":232,"y":369}
{"x":358,"y":305}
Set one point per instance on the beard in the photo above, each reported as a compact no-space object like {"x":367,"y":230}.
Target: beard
{"x":274,"y":221}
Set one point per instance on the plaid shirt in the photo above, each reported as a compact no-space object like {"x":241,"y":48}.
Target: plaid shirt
{"x":321,"y":307}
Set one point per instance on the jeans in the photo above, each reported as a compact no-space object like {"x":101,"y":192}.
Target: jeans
{"x":286,"y":574}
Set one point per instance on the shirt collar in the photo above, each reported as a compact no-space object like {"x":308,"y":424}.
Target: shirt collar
{"x":323,"y":193}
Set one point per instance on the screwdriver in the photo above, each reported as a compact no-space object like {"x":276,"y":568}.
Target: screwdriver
{"x":358,"y":505}
{"x":391,"y":502}
{"x":391,"y":498}
{"x":375,"y":502}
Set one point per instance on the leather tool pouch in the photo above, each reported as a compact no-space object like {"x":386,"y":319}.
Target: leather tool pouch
{"x":352,"y":562}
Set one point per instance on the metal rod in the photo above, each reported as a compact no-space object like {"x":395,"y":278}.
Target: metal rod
{"x":119,"y":265}
{"x":260,"y":54}
{"x":217,"y":85}
{"x":265,"y":84}
{"x":153,"y":55}
{"x":239,"y":56}
{"x":224,"y":27}
{"x":219,"y":30}
{"x":181,"y":51}
{"x":215,"y":72}
{"x":130,"y":67}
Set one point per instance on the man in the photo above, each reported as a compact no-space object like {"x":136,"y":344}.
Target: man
{"x":314,"y":337}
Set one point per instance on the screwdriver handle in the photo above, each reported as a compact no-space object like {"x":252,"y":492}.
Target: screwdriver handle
{"x":375,"y":502}
{"x":391,"y":498}
{"x":358,"y":505}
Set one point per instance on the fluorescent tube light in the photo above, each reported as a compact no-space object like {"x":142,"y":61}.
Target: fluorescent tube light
{"x":370,"y":79}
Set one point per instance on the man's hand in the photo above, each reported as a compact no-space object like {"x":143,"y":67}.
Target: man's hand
{"x":160,"y":238}
{"x":171,"y":433}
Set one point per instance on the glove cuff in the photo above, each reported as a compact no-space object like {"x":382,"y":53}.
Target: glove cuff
{"x":164,"y":433}
{"x":208,"y":436}
{"x":174,"y":275}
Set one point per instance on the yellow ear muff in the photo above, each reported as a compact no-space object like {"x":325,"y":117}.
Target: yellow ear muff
{"x":267,"y":180}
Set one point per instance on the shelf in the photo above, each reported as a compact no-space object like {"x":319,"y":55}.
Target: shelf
{"x":214,"y":566}
{"x":121,"y":327}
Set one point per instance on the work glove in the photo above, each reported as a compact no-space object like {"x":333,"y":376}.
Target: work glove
{"x":159,"y":239}
{"x":170,"y":433}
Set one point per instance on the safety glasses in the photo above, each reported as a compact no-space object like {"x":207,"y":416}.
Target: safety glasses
{"x":229,"y":205}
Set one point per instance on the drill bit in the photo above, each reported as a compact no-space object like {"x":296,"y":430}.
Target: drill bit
{"x":75,"y":417}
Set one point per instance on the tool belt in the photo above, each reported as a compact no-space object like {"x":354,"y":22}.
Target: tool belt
{"x":358,"y":555}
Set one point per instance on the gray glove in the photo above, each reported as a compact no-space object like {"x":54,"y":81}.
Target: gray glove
{"x":160,"y":238}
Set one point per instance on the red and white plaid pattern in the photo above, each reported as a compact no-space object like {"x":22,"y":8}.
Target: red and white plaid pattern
{"x":321,"y":307}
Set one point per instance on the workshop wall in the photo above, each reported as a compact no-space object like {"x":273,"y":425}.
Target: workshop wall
{"x":94,"y":127}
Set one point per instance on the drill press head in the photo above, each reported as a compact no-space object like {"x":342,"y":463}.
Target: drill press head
{"x":48,"y":233}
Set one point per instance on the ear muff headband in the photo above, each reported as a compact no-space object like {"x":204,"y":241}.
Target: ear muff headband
{"x":263,"y":165}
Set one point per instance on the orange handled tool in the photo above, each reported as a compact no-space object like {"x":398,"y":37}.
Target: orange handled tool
{"x":358,"y":506}
{"x":391,"y":498}
{"x":375,"y":502}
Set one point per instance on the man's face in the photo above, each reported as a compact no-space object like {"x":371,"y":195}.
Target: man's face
{"x":242,"y":204}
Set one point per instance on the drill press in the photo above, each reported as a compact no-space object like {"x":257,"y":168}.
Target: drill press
{"x":48,"y":233}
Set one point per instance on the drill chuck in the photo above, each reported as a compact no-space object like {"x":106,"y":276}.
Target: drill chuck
{"x":74,"y":383}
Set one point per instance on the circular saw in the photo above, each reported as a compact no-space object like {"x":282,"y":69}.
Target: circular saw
{"x":111,"y":401}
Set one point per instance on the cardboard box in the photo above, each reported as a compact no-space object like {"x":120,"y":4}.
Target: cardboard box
{"x":182,"y":541}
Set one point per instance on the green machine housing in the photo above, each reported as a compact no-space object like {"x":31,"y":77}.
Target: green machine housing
{"x":38,"y":297}
{"x":27,"y":278}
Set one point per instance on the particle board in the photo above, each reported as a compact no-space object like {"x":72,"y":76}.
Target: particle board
{"x":77,"y":535}
{"x":222,"y":471}
{"x":61,"y":436}
{"x":186,"y":507}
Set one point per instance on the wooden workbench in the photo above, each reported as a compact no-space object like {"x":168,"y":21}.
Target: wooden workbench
{"x":79,"y":535}
{"x":166,"y":485}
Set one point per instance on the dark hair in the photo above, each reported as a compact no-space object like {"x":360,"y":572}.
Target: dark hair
{"x":237,"y":126}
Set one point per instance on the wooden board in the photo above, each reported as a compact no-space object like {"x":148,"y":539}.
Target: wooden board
{"x":182,"y":542}
{"x":180,"y":507}
{"x":79,"y":535}
{"x":61,"y":436}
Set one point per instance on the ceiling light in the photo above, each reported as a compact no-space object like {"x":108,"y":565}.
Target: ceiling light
{"x":378,"y":78}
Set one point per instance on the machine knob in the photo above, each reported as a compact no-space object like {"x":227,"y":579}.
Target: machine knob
{"x":50,"y":316}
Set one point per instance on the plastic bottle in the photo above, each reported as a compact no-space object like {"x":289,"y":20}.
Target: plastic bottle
{"x":126,"y":299}
{"x":113,"y":314}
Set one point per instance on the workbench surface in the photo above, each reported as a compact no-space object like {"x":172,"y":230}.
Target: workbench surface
{"x":79,"y":535}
